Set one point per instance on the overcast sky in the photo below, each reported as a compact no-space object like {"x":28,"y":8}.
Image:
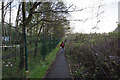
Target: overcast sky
{"x":107,"y":19}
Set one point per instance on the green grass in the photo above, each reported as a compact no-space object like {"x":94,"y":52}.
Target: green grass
{"x":9,"y":51}
{"x":40,"y":70}
{"x":11,"y":71}
{"x":36,"y":66}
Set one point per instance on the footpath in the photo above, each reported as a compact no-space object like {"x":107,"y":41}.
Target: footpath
{"x":60,"y":68}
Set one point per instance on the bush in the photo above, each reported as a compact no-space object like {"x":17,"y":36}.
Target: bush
{"x":94,"y":57}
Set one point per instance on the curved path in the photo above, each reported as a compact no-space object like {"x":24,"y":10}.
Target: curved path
{"x":60,"y":68}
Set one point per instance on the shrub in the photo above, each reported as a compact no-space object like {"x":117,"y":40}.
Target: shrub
{"x":95,"y":57}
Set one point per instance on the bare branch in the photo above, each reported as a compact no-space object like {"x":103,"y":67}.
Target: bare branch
{"x":55,"y":11}
{"x":17,"y":15}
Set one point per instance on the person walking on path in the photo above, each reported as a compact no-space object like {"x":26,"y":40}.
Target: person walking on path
{"x":62,"y":47}
{"x":60,"y":68}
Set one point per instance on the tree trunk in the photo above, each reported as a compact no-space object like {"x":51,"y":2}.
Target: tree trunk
{"x":10,"y":25}
{"x":15,"y":53}
{"x":22,"y":59}
{"x":30,"y":38}
{"x":36,"y":41}
{"x":22,"y":43}
{"x":3,"y":27}
{"x":36,"y":46}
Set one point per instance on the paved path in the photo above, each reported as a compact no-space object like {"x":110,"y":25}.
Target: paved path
{"x":60,"y":68}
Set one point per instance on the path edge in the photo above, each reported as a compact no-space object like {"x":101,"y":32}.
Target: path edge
{"x":51,"y":65}
{"x":69,"y":67}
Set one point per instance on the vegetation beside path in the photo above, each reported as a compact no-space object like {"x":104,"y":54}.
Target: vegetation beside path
{"x":40,"y":70}
{"x":94,"y":55}
{"x":36,"y":66}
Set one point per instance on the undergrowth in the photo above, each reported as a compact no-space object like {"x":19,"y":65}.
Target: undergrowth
{"x":94,"y":56}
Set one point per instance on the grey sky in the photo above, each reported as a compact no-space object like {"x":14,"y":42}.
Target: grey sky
{"x":107,"y":20}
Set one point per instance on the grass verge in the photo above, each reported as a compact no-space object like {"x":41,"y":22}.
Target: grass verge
{"x":40,"y":70}
{"x":36,"y":67}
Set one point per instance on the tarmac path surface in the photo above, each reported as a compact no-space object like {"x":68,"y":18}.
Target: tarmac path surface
{"x":60,"y":68}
